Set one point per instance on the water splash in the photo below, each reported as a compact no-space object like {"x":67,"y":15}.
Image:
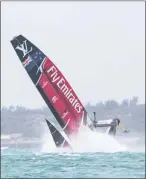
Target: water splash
{"x":89,"y":141}
{"x":86,"y":141}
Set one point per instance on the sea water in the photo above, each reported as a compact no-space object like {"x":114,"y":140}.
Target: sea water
{"x":93,"y":156}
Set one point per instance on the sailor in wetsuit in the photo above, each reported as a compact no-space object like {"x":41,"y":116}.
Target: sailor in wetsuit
{"x":114,"y":124}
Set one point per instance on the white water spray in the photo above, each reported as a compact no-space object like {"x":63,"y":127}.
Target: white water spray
{"x":86,"y":141}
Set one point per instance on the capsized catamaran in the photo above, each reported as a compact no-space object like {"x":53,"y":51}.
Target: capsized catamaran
{"x":54,"y":89}
{"x":51,"y":84}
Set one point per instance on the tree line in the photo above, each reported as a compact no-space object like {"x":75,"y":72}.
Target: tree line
{"x":19,"y":119}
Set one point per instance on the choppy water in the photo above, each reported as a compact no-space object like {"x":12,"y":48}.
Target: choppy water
{"x":29,"y":163}
{"x":93,"y":156}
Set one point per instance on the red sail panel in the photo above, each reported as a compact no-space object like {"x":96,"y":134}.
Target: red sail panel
{"x":64,"y":89}
{"x":58,"y":104}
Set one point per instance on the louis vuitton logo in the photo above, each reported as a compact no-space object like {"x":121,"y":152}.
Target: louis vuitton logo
{"x":24,"y":48}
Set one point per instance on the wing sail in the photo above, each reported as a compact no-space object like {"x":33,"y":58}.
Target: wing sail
{"x":52,"y":85}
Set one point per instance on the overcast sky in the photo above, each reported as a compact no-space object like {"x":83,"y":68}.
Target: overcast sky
{"x":98,"y":46}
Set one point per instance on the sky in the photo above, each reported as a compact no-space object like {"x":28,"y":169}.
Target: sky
{"x":98,"y":46}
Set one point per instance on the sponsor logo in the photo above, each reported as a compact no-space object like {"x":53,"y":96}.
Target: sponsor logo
{"x":23,"y":47}
{"x":44,"y":84}
{"x":61,"y":84}
{"x":54,"y":99}
{"x":64,"y":114}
